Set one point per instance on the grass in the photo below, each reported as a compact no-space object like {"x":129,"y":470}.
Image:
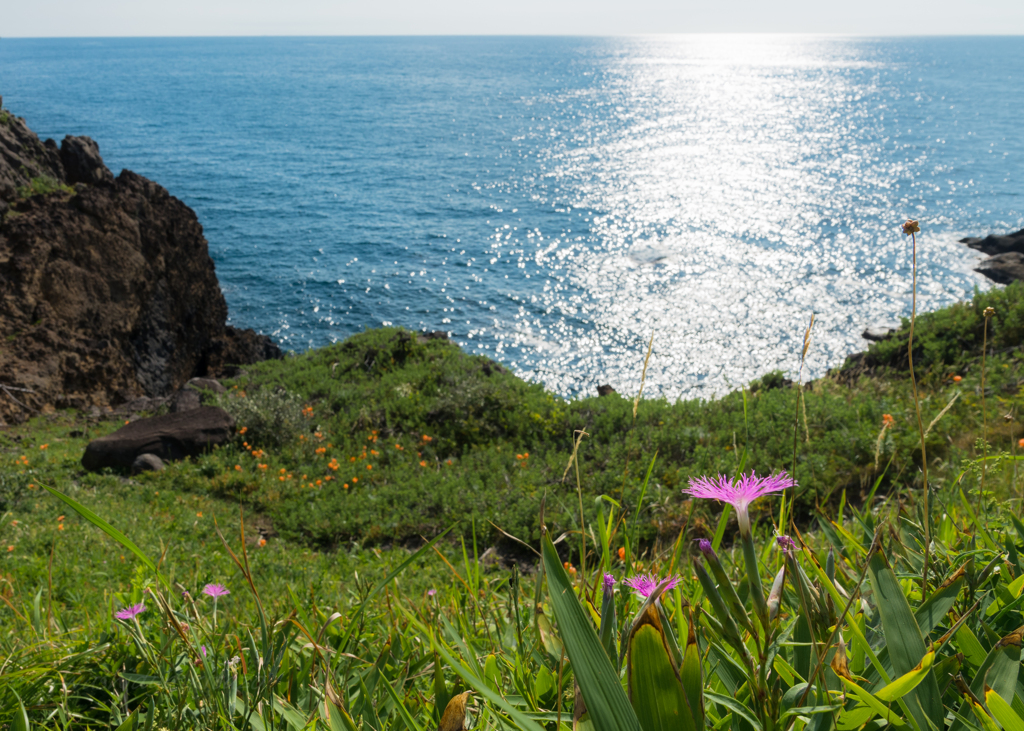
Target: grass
{"x":43,"y":185}
{"x":440,"y":439}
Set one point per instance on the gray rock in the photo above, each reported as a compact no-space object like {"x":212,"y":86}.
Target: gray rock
{"x":169,"y":437}
{"x":880,"y":330}
{"x":206,"y":384}
{"x":185,"y":400}
{"x":147,"y":463}
{"x":1003,"y":268}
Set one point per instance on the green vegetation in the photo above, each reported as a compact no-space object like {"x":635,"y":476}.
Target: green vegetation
{"x":350,"y":457}
{"x":43,"y":185}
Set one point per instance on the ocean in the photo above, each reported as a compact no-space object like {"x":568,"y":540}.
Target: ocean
{"x":553,"y":202}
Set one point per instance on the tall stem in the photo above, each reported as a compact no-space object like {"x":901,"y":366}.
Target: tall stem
{"x":920,"y":428}
{"x":984,"y":419}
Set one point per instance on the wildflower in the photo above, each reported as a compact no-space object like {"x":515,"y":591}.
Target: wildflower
{"x":10,"y":548}
{"x":645,"y":584}
{"x":431,"y":592}
{"x":369,"y":466}
{"x":887,"y":421}
{"x":423,"y":463}
{"x":786,"y":544}
{"x":622,"y":553}
{"x":345,"y":486}
{"x":399,"y":447}
{"x":238,"y":467}
{"x":60,"y":518}
{"x":957,"y":379}
{"x":60,"y":526}
{"x":355,"y":479}
{"x":47,"y":446}
{"x":1020,"y":443}
{"x":262,"y":542}
{"x":319,"y":482}
{"x":911,"y":227}
{"x":705,"y":547}
{"x":739,"y":493}
{"x":14,"y":522}
{"x":448,"y":462}
{"x":243,"y":430}
{"x":202,"y":648}
{"x":988,"y":312}
{"x":215,"y":590}
{"x":199,"y":514}
{"x":373,"y":452}
{"x":131,"y":612}
{"x":427,"y":439}
{"x":608,"y":583}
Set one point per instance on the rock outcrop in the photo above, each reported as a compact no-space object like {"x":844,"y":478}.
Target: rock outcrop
{"x":107,"y":289}
{"x":1006,"y":254}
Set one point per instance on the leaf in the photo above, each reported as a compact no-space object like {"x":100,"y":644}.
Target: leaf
{"x":692,"y":676}
{"x":1003,"y":712}
{"x":986,"y":720}
{"x":735,"y":706}
{"x":654,"y":688}
{"x":998,"y":671}
{"x":131,"y":722}
{"x":607,"y":704}
{"x":906,"y":683}
{"x":103,"y":526}
{"x":408,"y":718}
{"x":873,"y":703}
{"x":20,"y":722}
{"x":905,"y":643}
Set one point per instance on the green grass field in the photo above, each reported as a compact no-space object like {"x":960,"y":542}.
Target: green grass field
{"x":349,"y":458}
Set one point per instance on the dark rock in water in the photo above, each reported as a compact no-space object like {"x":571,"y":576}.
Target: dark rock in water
{"x":880,"y":330}
{"x":147,"y":463}
{"x":993,"y":245}
{"x":107,"y":289}
{"x":605,"y":390}
{"x":1003,"y":268}
{"x":169,"y":437}
{"x":185,"y":400}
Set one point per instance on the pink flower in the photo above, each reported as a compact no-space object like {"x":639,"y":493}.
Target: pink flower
{"x":739,"y":493}
{"x":609,"y":582}
{"x":431,"y":592}
{"x":786,"y":544}
{"x":215,"y":590}
{"x":131,"y":612}
{"x":644,"y":584}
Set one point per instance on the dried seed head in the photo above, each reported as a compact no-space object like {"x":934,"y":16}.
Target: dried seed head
{"x":911,"y":227}
{"x":989,"y":312}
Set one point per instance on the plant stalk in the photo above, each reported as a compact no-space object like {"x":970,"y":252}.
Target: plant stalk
{"x":920,"y":428}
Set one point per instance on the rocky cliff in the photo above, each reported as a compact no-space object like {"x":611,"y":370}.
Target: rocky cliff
{"x":107,"y":289}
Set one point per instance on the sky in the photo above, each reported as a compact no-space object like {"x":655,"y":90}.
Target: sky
{"x":60,"y":18}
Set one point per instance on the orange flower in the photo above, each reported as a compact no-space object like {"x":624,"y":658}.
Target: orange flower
{"x":373,"y":452}
{"x":199,"y":514}
{"x":448,"y":461}
{"x":60,"y":526}
{"x":262,"y":466}
{"x":10,"y":548}
{"x":126,"y":422}
{"x":319,"y":482}
{"x":622,"y":554}
{"x":427,"y":439}
{"x":44,"y":446}
{"x":60,"y":518}
{"x":283,"y":470}
{"x":1020,"y":443}
{"x":957,"y":379}
{"x":238,"y":467}
{"x":244,"y":429}
{"x":245,"y":444}
{"x":263,"y":542}
{"x":423,"y":463}
{"x":369,"y":466}
{"x":345,"y":485}
{"x":887,"y":421}
{"x":399,"y":446}
{"x":355,"y":479}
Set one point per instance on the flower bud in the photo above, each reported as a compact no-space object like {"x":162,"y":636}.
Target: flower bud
{"x":775,"y":595}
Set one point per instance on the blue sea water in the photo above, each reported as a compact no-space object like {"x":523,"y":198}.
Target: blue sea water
{"x":552,"y":202}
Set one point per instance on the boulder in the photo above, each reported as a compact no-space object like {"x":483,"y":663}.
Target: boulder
{"x":82,"y":163}
{"x":169,"y":437}
{"x":880,"y":330}
{"x":605,"y":390}
{"x":185,"y":400}
{"x":147,"y":463}
{"x":205,"y":384}
{"x":1003,"y":268}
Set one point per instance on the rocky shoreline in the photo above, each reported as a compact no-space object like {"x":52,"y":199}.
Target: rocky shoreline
{"x":1006,"y":256}
{"x":108,"y":293}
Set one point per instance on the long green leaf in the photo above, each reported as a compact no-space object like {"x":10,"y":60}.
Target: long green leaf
{"x":735,"y":706}
{"x":904,"y":641}
{"x":402,"y":710}
{"x":606,"y":702}
{"x":999,"y":672}
{"x":103,"y":526}
{"x":654,"y":688}
{"x":1003,"y":712}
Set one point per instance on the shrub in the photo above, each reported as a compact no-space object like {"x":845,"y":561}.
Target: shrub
{"x":271,"y":417}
